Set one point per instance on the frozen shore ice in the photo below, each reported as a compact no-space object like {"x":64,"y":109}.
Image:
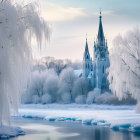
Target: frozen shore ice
{"x":115,"y":117}
{"x":10,"y":131}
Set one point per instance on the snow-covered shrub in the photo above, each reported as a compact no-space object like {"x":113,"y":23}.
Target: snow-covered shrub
{"x":97,"y":91}
{"x":80,"y":99}
{"x":35,"y":99}
{"x":46,"y":99}
{"x":66,"y":98}
{"x":129,"y":100}
{"x":106,"y":98}
{"x":124,"y":71}
{"x":90,"y":98}
{"x":92,"y":95}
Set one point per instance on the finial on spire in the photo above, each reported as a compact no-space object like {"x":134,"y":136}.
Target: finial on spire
{"x":86,"y":36}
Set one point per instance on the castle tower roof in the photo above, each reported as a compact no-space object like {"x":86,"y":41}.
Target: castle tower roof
{"x":86,"y":53}
{"x":86,"y":47}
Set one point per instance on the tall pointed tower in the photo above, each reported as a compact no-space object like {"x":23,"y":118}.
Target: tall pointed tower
{"x":96,"y":70}
{"x":87,"y":61}
{"x":101,"y":58}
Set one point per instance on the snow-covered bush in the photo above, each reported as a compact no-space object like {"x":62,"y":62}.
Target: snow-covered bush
{"x":92,"y":95}
{"x":35,"y":99}
{"x":106,"y":98}
{"x":80,"y":99}
{"x":46,"y":99}
{"x":66,"y":98}
{"x":124,"y":71}
{"x":19,"y":23}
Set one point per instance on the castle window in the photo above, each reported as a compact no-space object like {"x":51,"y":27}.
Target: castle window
{"x":103,"y":69}
{"x":87,"y":56}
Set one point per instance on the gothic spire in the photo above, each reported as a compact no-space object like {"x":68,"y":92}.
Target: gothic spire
{"x":86,"y":47}
{"x":100,"y":31}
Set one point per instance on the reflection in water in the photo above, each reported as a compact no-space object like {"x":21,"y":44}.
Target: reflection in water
{"x":42,"y":130}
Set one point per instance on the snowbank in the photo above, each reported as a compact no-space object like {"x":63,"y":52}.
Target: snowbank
{"x":115,"y":117}
{"x":9,"y":131}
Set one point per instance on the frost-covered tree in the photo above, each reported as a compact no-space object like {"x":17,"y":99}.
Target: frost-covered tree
{"x":81,"y":87}
{"x":36,"y":83}
{"x":51,"y":85}
{"x":124,"y":71}
{"x":57,"y":64}
{"x":19,"y":22}
{"x":67,"y":78}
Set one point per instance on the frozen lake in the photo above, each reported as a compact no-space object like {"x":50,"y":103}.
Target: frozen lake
{"x":44,"y":130}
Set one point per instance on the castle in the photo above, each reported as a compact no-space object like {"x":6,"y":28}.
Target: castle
{"x":95,"y":69}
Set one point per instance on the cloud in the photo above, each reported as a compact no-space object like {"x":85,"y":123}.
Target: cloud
{"x":55,"y":12}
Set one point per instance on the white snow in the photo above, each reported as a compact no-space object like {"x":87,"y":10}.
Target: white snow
{"x":115,"y":117}
{"x":78,"y":72}
{"x":10,"y":131}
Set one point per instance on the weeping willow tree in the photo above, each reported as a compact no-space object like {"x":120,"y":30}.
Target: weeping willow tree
{"x":124,"y":71}
{"x":19,"y":23}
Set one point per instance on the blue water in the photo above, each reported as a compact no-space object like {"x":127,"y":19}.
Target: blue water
{"x":44,"y":130}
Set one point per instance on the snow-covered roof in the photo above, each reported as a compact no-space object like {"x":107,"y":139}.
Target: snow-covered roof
{"x":78,"y":72}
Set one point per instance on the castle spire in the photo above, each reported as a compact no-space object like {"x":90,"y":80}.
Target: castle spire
{"x":86,"y":47}
{"x":100,"y":31}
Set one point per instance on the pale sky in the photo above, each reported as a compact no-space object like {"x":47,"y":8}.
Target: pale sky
{"x":71,"y":20}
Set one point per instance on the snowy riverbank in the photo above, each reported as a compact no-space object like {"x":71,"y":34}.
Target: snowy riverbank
{"x":10,"y":131}
{"x":115,"y":117}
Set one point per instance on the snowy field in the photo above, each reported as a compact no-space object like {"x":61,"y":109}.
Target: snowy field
{"x":115,"y":117}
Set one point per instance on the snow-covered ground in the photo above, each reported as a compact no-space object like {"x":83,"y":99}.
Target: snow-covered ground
{"x":115,"y":117}
{"x":10,"y":131}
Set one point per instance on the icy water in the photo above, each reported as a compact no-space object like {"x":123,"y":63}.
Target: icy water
{"x":44,"y":130}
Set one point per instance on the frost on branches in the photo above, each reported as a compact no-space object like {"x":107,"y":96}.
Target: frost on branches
{"x":19,"y":22}
{"x":124,"y":71}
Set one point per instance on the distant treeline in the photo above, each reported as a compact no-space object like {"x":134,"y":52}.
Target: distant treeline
{"x":56,"y":64}
{"x":55,"y":81}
